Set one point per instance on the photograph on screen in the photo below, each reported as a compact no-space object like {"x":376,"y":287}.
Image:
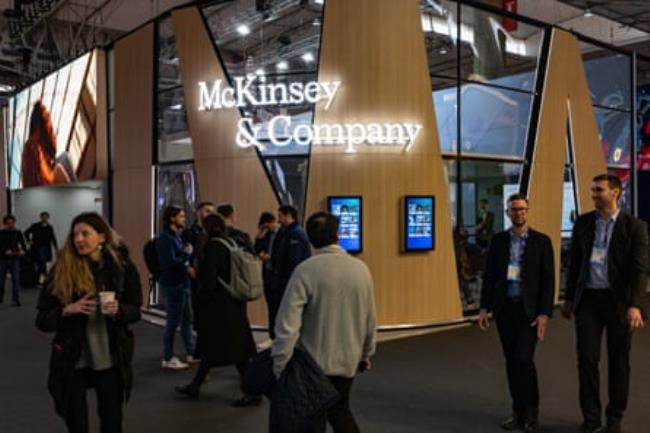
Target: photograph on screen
{"x":348,"y":211}
{"x":419,"y":215}
{"x":51,"y":127}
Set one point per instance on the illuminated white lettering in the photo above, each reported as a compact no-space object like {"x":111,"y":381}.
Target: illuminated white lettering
{"x":285,"y":132}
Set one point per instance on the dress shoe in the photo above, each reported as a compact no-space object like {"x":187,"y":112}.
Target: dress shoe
{"x":247,"y":400}
{"x":613,"y":427}
{"x":190,"y":390}
{"x":514,"y":423}
{"x":16,"y":304}
{"x":531,"y":420}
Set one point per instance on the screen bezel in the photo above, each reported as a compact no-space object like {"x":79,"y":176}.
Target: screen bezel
{"x":332,"y":198}
{"x":405,"y":227}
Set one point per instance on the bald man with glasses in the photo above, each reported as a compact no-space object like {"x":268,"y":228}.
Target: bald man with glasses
{"x":518,"y":289}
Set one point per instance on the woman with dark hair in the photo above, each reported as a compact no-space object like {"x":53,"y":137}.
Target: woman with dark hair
{"x":92,"y":294}
{"x":223,"y":331}
{"x":39,"y":165}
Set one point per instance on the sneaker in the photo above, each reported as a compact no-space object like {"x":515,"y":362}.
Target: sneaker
{"x":174,"y":364}
{"x":191,"y":360}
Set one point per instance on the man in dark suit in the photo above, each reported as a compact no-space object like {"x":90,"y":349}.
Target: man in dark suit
{"x":518,"y":288}
{"x":606,"y":279}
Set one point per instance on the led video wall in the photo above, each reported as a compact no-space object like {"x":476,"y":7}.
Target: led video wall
{"x":51,"y":127}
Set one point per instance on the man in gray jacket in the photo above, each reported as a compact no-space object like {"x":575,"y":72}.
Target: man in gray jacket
{"x":329,"y":309}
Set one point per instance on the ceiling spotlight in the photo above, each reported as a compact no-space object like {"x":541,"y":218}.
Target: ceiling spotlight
{"x":588,"y":13}
{"x":308,"y":57}
{"x":243,"y":30}
{"x":316,"y":22}
{"x":282,"y":66}
{"x":176,"y":107}
{"x":260,"y":71}
{"x":443,"y":51}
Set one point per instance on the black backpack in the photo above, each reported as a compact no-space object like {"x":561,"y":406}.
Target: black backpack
{"x":151,"y":258}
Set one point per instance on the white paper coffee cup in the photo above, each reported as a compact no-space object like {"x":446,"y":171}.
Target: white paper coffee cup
{"x":104,"y":298}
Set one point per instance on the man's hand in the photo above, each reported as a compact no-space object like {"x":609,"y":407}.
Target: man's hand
{"x":540,"y":322}
{"x":634,"y":318}
{"x":188,"y":248}
{"x":567,"y":309}
{"x":86,"y":305}
{"x":191,"y":272}
{"x":483,"y":320}
{"x":364,"y":365}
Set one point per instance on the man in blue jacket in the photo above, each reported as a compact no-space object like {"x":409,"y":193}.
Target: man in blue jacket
{"x":291,"y":246}
{"x":175,"y":271}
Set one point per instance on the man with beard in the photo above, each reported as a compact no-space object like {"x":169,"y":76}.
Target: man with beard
{"x":518,"y":288}
{"x":607,"y":278}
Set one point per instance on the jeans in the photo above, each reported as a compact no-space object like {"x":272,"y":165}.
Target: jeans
{"x":108,"y":386}
{"x":41,"y":258}
{"x":13,"y":266}
{"x":179,"y":312}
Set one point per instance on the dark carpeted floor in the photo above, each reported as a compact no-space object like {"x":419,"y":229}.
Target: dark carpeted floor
{"x":448,"y":382}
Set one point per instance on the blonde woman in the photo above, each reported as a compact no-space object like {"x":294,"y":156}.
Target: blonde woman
{"x":92,"y":345}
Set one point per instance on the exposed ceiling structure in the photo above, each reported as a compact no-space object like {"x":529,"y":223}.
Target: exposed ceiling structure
{"x":37,"y":36}
{"x":631,"y":13}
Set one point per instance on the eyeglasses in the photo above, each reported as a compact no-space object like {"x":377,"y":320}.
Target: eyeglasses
{"x":518,"y":209}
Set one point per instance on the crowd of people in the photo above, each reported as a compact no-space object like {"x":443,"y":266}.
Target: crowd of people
{"x":320,"y":302}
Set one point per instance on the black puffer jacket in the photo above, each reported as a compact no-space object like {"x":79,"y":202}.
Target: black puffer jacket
{"x":302,"y":392}
{"x":70,"y":331}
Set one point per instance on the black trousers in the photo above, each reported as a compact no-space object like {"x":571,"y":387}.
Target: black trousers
{"x":205,"y":367}
{"x":274,"y":299}
{"x":110,"y":396}
{"x":518,"y":340}
{"x":597,"y":312}
{"x":339,"y":416}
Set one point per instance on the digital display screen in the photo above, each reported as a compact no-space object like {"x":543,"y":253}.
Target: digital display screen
{"x":348,"y":211}
{"x":51,"y":128}
{"x":418,"y":223}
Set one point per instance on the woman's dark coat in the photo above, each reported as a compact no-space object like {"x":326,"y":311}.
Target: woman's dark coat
{"x":70,"y":331}
{"x":224,"y":334}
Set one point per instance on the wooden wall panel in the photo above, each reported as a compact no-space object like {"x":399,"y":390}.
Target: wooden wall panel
{"x":566,"y":96}
{"x":132,"y":142}
{"x":376,"y":48}
{"x":226,"y":173}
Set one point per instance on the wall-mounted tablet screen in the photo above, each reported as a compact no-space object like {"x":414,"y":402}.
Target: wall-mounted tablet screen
{"x":348,"y":210}
{"x":419,"y":214}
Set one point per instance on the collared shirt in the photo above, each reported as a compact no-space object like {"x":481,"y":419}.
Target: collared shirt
{"x":516,"y":261}
{"x":598,"y":261}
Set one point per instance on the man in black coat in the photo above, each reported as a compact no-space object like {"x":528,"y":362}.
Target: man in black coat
{"x":41,"y":237}
{"x":290,"y":248}
{"x":268,"y":229}
{"x":518,"y":288}
{"x":606,"y":279}
{"x":12,"y":247}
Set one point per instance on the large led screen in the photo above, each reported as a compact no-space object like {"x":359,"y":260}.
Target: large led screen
{"x":51,"y":128}
{"x":419,"y":214}
{"x":348,"y":211}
